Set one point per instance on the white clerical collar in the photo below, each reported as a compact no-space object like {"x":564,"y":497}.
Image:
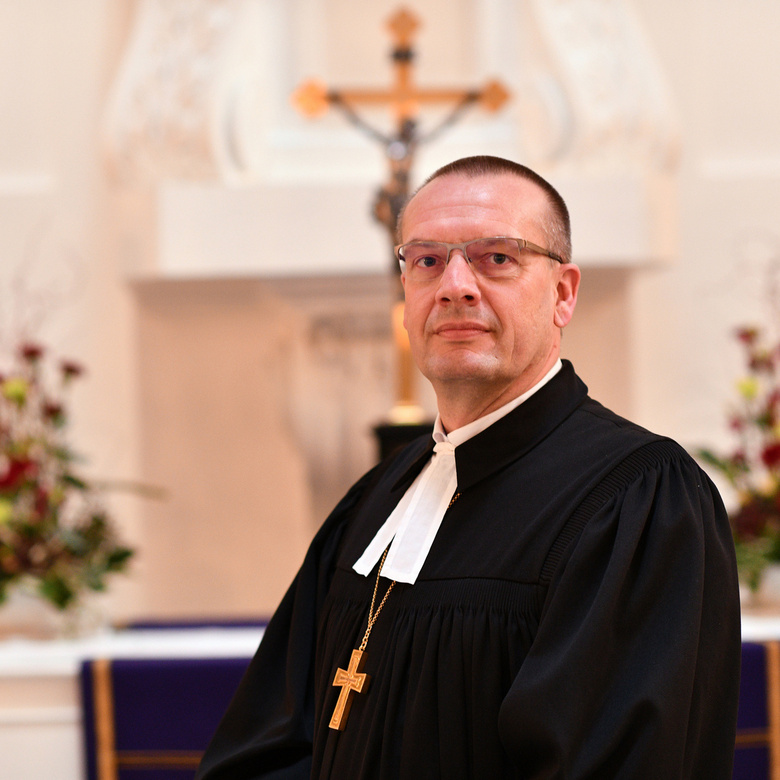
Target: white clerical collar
{"x":413,"y":524}
{"x":466,"y":432}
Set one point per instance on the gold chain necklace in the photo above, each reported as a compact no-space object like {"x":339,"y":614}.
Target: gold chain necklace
{"x":353,"y":679}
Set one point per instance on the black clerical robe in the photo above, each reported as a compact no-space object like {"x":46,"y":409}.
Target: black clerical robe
{"x":576,"y":617}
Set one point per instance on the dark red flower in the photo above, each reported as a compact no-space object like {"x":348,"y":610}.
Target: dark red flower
{"x":761,"y":361}
{"x":736,"y":424}
{"x":750,"y":520}
{"x":771,"y":455}
{"x":31,"y":352}
{"x":53,"y":411}
{"x":71,"y":369}
{"x":16,"y":473}
{"x":41,"y":502}
{"x":747,"y":335}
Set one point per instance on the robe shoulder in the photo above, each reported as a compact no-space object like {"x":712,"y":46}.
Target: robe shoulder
{"x":640,"y":616}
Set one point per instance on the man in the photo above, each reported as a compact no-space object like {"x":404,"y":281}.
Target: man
{"x":551,"y":593}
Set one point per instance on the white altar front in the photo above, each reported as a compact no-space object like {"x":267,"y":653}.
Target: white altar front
{"x":40,"y":709}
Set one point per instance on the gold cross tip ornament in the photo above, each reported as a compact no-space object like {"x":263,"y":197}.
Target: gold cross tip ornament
{"x":311,"y":98}
{"x":493,"y":95}
{"x":403,"y":25}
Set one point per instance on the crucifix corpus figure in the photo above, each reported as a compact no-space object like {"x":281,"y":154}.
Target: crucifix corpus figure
{"x":404,"y":99}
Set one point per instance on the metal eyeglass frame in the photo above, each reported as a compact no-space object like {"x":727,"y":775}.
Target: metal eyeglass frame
{"x":521,"y":243}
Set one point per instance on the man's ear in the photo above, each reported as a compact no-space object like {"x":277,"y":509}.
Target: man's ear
{"x":566,"y":290}
{"x":403,"y":308}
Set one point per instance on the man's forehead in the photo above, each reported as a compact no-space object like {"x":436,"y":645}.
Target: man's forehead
{"x":503,"y":196}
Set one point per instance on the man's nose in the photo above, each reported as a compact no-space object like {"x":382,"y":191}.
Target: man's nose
{"x":459,"y":281}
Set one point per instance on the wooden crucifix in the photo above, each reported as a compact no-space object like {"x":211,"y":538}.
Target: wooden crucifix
{"x":404,"y":99}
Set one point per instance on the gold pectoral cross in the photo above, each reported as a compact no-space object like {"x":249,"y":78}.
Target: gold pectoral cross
{"x":352,"y":680}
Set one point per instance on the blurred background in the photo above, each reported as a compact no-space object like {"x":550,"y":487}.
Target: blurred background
{"x":170,"y":221}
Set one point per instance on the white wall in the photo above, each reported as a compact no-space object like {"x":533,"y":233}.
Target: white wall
{"x":724,"y":72}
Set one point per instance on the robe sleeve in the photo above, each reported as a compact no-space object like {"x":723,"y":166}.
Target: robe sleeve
{"x":634,"y":671}
{"x":268,"y":728}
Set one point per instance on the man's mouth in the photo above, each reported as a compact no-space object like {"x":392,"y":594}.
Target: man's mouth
{"x":460,"y":330}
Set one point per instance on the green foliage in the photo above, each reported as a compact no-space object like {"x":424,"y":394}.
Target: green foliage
{"x":752,"y":560}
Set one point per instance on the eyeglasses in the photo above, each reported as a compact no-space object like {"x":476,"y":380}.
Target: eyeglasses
{"x":498,"y":257}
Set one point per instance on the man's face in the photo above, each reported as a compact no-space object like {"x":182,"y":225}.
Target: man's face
{"x":496,"y":337}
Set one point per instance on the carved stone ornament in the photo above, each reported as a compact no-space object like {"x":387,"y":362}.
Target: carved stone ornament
{"x":171,"y":108}
{"x":618,"y":104}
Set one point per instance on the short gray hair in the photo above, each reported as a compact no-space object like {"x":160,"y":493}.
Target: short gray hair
{"x":557,"y":228}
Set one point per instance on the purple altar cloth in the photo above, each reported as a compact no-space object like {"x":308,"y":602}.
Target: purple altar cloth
{"x":164,"y":711}
{"x":752,"y":754}
{"x":162,"y":714}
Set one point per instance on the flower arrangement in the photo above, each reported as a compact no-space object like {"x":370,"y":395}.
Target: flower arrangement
{"x":753,"y":467}
{"x":55,"y":532}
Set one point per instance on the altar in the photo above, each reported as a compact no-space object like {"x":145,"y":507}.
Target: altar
{"x":45,"y":728}
{"x":52,"y":692}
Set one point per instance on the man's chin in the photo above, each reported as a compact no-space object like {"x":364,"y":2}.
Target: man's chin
{"x":465,"y":368}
